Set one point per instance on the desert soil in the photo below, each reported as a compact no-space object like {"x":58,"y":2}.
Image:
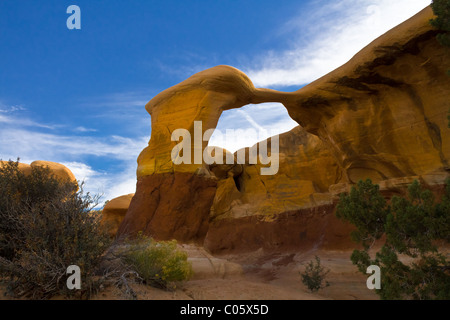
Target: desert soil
{"x":258,"y":276}
{"x":254,"y":276}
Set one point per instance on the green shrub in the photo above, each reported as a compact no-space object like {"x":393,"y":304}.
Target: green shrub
{"x":46,"y":225}
{"x":314,"y":275}
{"x":159,"y":264}
{"x":366,"y":208}
{"x":441,"y":9}
{"x":412,"y":226}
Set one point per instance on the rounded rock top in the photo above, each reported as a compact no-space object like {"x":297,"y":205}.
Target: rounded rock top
{"x":59,"y":170}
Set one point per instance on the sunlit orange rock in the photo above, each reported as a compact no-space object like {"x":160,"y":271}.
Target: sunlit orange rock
{"x":59,"y":170}
{"x":23,"y":167}
{"x":114,"y":212}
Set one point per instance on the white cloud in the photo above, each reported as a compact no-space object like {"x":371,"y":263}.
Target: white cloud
{"x":264,"y":120}
{"x":108,"y":184}
{"x":82,"y":171}
{"x":33,"y":144}
{"x":124,"y":183}
{"x":327,"y":36}
{"x":21,"y":137}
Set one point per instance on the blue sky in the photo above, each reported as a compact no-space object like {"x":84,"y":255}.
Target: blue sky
{"x":77,"y":96}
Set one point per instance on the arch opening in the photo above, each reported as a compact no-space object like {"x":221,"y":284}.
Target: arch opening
{"x":249,"y":125}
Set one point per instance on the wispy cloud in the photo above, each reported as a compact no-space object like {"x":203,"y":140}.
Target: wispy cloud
{"x":10,"y":109}
{"x":121,"y":100}
{"x":35,"y":144}
{"x":126,"y":109}
{"x":327,"y":36}
{"x":185,"y":63}
{"x":83,"y":129}
{"x":8,"y":118}
{"x":250,"y":120}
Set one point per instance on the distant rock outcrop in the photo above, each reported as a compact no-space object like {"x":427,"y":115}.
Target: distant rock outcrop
{"x":114,"y":212}
{"x":383,"y":116}
{"x":58,"y":170}
{"x":23,"y":167}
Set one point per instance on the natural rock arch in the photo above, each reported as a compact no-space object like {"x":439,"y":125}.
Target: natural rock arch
{"x":382,"y":115}
{"x":187,"y":190}
{"x":203,"y":97}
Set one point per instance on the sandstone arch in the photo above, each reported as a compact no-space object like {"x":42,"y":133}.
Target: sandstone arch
{"x":186,"y":190}
{"x":381,"y":115}
{"x":203,"y":97}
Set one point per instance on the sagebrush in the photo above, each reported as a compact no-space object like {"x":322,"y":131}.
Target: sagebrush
{"x":159,"y":264}
{"x":46,"y":225}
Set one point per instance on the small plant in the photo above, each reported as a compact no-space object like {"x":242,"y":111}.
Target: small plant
{"x":159,"y":264}
{"x":314,"y":275}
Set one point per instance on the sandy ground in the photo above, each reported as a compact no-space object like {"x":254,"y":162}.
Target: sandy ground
{"x":255,"y":276}
{"x":258,"y":276}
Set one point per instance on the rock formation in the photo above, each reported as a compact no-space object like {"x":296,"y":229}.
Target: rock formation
{"x":175,"y":200}
{"x":58,"y":170}
{"x":382,"y":115}
{"x":23,"y":167}
{"x":114,"y":212}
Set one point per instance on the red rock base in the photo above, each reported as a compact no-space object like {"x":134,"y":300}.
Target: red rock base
{"x":170,"y":206}
{"x":300,"y":230}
